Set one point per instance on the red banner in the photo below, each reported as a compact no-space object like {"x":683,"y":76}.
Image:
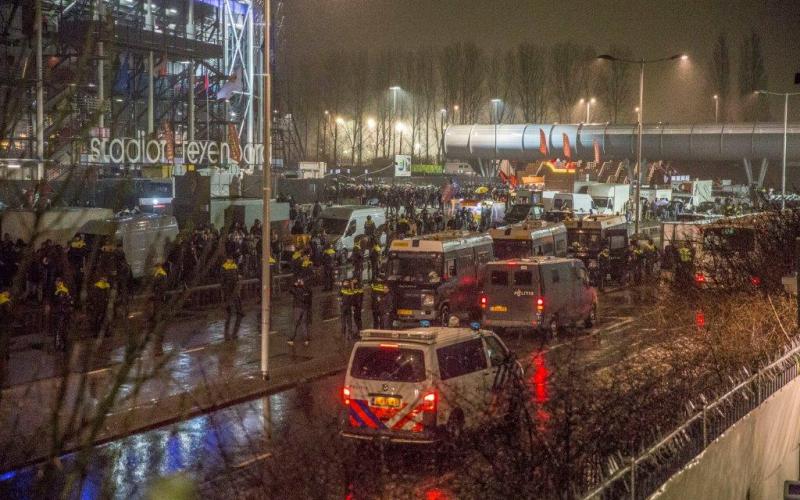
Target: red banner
{"x":543,"y":143}
{"x":596,"y":151}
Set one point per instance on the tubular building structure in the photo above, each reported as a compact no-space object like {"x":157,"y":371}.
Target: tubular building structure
{"x":714,"y":142}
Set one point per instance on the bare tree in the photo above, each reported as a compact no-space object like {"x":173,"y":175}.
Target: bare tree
{"x":752,"y":77}
{"x":569,"y":66}
{"x":500,"y":83}
{"x":530,"y":80}
{"x":720,"y":71}
{"x":617,"y":85}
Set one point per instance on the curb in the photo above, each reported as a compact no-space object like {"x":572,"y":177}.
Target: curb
{"x":188,"y":404}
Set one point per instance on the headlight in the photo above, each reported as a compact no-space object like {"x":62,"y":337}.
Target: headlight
{"x":428,"y":300}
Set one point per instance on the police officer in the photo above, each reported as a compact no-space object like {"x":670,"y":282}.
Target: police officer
{"x":637,"y":262}
{"x":380,"y":300}
{"x":62,"y":312}
{"x":160,"y":286}
{"x":357,"y":304}
{"x":346,"y":309}
{"x":231,"y":296}
{"x":76,"y":256}
{"x":6,"y":320}
{"x":328,"y":261}
{"x":357,"y":260}
{"x":604,"y":266}
{"x":98,"y":305}
{"x":369,"y":227}
{"x":650,"y":258}
{"x":683,"y":269}
{"x":301,"y":308}
{"x":375,"y":260}
{"x":403,"y":226}
{"x":306,"y":268}
{"x":297,"y":259}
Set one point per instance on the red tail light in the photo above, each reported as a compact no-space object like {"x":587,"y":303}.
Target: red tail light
{"x":429,"y":402}
{"x":484,"y":301}
{"x":700,"y":319}
{"x":540,"y":304}
{"x":699,"y":278}
{"x":755,"y":280}
{"x":346,"y":396}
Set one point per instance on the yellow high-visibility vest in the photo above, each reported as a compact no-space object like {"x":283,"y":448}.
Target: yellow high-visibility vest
{"x":229,"y":265}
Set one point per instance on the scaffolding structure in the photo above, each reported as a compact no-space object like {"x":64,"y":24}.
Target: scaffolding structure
{"x":175,"y":70}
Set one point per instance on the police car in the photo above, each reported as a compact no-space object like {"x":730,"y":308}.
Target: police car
{"x":424,"y":385}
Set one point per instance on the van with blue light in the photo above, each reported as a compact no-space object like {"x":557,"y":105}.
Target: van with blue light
{"x":426,"y":385}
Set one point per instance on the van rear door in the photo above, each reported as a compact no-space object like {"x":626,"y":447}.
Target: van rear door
{"x":511,"y":294}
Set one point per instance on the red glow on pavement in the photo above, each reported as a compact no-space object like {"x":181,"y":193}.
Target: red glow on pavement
{"x":539,"y":379}
{"x":436,"y":494}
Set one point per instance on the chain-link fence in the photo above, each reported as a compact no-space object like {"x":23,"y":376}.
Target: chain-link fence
{"x":639,"y":477}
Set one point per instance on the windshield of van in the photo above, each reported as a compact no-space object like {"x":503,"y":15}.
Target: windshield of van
{"x":388,"y":363}
{"x":588,"y":240}
{"x":518,"y":212}
{"x":334,"y":226}
{"x":424,"y":267}
{"x":509,"y":249}
{"x":729,"y":239}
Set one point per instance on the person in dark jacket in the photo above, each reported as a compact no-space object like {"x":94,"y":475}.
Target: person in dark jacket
{"x":231,"y":297}
{"x":346,"y":309}
{"x":62,"y":312}
{"x":357,"y":304}
{"x":301,"y":308}
{"x":380,"y":300}
{"x":99,"y":293}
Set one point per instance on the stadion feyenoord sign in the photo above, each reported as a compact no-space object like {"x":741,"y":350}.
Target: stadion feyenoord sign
{"x":141,"y":150}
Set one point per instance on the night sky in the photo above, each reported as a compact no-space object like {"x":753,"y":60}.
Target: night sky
{"x":653,"y":28}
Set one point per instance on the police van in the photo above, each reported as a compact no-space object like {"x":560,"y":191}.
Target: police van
{"x":435,"y":276}
{"x":427,"y":384}
{"x":540,"y":293}
{"x":529,"y":239}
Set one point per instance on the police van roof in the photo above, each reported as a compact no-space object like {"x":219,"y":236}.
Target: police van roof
{"x":532,"y":261}
{"x":596,"y":222}
{"x":527,"y":230}
{"x":441,"y":242}
{"x":432,"y":335}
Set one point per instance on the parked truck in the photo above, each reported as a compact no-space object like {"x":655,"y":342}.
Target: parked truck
{"x":610,"y":199}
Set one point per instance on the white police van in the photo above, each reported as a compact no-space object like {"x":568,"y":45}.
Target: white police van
{"x":427,"y":384}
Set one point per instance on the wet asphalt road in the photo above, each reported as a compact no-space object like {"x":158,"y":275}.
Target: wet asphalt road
{"x":287,"y":446}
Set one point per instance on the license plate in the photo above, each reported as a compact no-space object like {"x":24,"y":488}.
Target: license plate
{"x":499,"y":309}
{"x":386,"y":402}
{"x":404,"y":312}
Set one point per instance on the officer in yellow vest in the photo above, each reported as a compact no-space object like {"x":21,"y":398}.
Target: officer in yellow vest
{"x":6,"y":320}
{"x":380,"y":299}
{"x":328,"y":264}
{"x":375,"y":260}
{"x":346,"y":309}
{"x":684,"y":268}
{"x":62,"y":312}
{"x":231,"y":296}
{"x":358,"y":305}
{"x":98,"y":305}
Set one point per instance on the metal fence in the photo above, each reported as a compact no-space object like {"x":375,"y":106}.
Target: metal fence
{"x":643,"y":475}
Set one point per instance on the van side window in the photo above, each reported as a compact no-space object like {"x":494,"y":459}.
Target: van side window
{"x":466,"y":265}
{"x":523,"y":278}
{"x":450,"y":268}
{"x":548,"y":249}
{"x":483,"y":257}
{"x":461,"y":359}
{"x":498,"y":278}
{"x":351,"y":228}
{"x":554,"y":276}
{"x":495,"y":351}
{"x":561,"y":246}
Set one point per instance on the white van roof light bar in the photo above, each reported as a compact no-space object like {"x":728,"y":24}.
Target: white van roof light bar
{"x":399,"y":335}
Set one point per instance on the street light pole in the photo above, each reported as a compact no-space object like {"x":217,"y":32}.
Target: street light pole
{"x":637,"y":188}
{"x":394,"y":90}
{"x":641,"y":63}
{"x":785,"y":137}
{"x":266,"y":182}
{"x":716,"y":108}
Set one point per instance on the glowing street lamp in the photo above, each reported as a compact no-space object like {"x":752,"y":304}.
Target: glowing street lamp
{"x":716,"y":108}
{"x":637,"y":174}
